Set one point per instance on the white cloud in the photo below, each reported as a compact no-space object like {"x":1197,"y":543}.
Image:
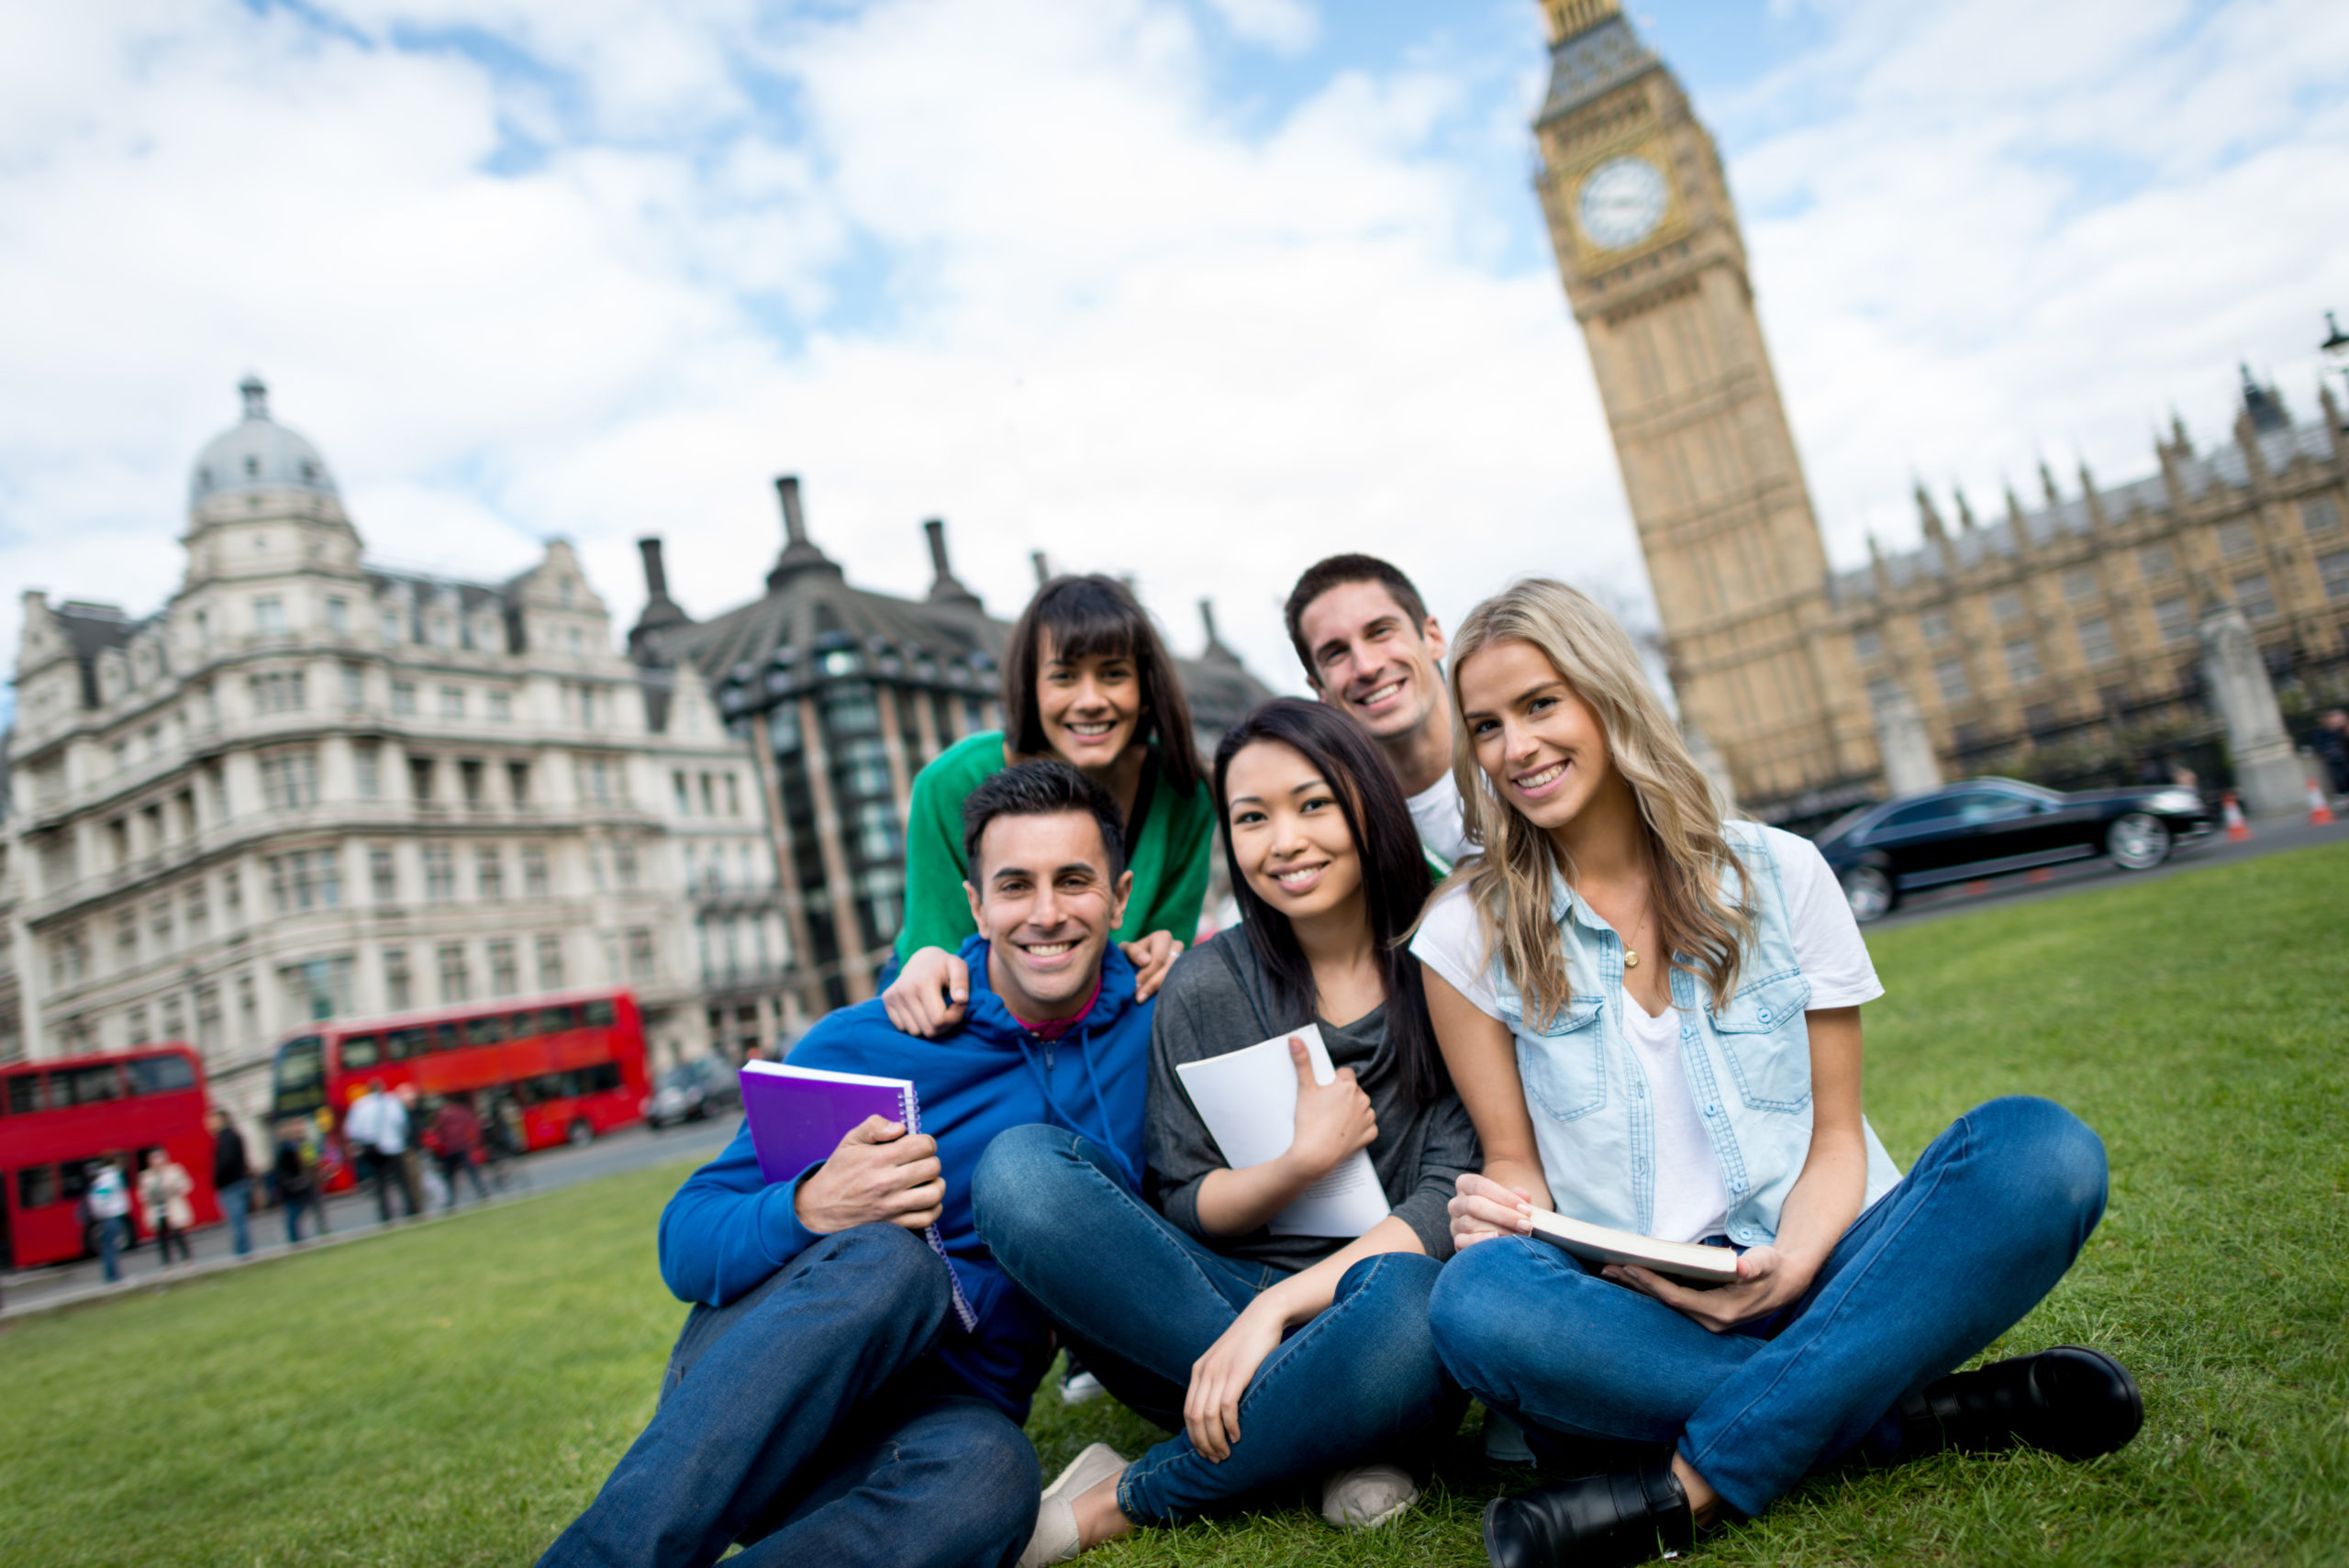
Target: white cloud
{"x":1022,"y":264}
{"x":1287,"y":26}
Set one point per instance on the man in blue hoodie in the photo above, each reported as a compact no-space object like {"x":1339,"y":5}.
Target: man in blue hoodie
{"x":824,"y":1404}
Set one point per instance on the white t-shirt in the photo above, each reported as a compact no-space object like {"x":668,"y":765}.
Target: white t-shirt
{"x":1435,"y":810}
{"x":1691,"y":1202}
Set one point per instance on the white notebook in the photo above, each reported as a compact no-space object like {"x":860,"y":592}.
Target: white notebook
{"x":1248,"y":1098}
{"x":1685,"y":1260}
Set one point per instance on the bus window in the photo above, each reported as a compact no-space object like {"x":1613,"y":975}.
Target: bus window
{"x":521,"y":1026}
{"x":444,"y":1037}
{"x":160,"y":1075}
{"x":398,"y":1045}
{"x":361,"y":1051}
{"x":301,"y":1077}
{"x":599,"y":1015}
{"x":36,"y":1186}
{"x":558,"y":1020}
{"x":85,"y":1085}
{"x":484,"y":1031}
{"x":24,"y":1093}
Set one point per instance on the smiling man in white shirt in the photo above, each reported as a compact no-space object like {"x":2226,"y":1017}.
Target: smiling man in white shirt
{"x":1370,"y":648}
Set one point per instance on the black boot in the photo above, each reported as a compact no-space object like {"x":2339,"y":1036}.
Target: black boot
{"x":1599,"y":1521}
{"x":2073,"y":1402}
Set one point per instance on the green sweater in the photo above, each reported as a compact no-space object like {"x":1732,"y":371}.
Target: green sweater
{"x":1169,"y":860}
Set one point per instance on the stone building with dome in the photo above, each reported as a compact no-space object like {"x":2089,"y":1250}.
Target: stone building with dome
{"x":309,"y":785}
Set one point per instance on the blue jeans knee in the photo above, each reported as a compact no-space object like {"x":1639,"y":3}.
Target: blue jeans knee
{"x":2052,"y":1161}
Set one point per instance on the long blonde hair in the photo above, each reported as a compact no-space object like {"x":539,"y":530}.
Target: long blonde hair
{"x":1703,"y":929}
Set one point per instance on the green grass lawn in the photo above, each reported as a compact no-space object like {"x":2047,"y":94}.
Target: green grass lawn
{"x":454,"y":1395}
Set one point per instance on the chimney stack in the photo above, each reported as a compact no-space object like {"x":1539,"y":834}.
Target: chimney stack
{"x":1043,"y":570}
{"x":656,"y":577}
{"x":944,"y":587}
{"x":795,"y":526}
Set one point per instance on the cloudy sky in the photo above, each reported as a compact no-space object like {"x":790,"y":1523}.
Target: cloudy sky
{"x":1194,"y":289}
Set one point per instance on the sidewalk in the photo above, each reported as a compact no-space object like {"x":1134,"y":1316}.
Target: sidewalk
{"x":352,"y":1217}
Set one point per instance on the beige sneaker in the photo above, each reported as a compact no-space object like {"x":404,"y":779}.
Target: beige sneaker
{"x":1057,"y":1539}
{"x":1367,"y":1496}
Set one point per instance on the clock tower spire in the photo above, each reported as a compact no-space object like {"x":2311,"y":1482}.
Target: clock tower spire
{"x":1654,"y":267}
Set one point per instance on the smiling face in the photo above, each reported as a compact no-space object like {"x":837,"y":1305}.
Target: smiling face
{"x":1090,"y":705}
{"x":1288,"y":833}
{"x":1371,"y":661}
{"x":1543,"y":749}
{"x":1042,"y":897}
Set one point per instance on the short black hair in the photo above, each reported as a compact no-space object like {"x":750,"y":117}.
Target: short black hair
{"x":1094,"y":614}
{"x":1042,"y":788}
{"x":1336,"y":572}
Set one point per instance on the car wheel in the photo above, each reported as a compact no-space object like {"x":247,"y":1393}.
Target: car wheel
{"x":2138,"y":841}
{"x":582,"y":1133}
{"x":1870,"y":893}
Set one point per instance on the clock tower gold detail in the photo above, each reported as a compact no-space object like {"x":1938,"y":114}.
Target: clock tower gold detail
{"x":1655,"y":270}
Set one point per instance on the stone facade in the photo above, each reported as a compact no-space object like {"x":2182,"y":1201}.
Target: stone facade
{"x":310,"y":785}
{"x":844,"y":695}
{"x":1994,"y":640}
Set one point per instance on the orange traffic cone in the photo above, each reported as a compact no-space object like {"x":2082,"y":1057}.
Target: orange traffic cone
{"x":2237,"y":828}
{"x":2319,"y":810}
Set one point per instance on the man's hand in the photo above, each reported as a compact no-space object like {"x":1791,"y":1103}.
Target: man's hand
{"x":1765,"y":1282}
{"x":1334,"y":1120}
{"x":931,"y":994}
{"x":1151,"y":958}
{"x":876,"y":1175}
{"x":1484,"y":1209}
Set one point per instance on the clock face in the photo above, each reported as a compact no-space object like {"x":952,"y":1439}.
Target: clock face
{"x":1621,"y":202}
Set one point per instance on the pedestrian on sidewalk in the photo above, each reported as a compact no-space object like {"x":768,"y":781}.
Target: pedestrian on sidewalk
{"x":232,"y":1178}
{"x":457,"y":1130}
{"x":163,"y":1187}
{"x":2333,"y":749}
{"x":295,"y":1174}
{"x":412,"y":1154}
{"x":377,"y":1131}
{"x":107,"y":1204}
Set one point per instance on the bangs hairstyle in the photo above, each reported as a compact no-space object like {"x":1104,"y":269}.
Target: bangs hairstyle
{"x":1395,"y":876}
{"x":1097,"y":615}
{"x":1699,"y":925}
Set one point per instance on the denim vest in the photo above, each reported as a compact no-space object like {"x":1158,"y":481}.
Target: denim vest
{"x":1747,"y":1065}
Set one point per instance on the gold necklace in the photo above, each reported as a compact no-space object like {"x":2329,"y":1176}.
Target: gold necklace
{"x":1630,"y":957}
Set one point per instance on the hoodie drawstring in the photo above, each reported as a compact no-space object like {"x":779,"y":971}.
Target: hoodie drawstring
{"x":1044,"y":1088}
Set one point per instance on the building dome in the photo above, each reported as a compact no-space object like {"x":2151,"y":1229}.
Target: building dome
{"x":257,"y":453}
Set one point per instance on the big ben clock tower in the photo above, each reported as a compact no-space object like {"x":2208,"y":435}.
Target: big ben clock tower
{"x":1655,"y":270}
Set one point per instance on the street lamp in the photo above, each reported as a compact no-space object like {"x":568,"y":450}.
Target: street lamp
{"x":2337,"y":350}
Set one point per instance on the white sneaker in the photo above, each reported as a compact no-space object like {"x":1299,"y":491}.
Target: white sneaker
{"x":1505,"y":1440}
{"x":1057,"y":1539}
{"x":1078,"y":1389}
{"x":1367,"y":1496}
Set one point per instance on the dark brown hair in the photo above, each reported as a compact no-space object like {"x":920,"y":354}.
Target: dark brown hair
{"x":1093,"y":615}
{"x":1336,"y":572}
{"x":1045,"y":787}
{"x":1395,"y":880}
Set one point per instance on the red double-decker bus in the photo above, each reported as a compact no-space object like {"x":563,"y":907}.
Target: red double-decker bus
{"x":58,"y":1118}
{"x":549,"y":1068}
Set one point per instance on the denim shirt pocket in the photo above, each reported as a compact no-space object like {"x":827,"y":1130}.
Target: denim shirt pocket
{"x":1764,"y":1037}
{"x":1564,"y":1065}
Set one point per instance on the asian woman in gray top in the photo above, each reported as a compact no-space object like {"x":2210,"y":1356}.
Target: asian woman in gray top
{"x":1279,"y":1359}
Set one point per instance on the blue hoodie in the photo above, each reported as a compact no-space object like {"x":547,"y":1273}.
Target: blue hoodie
{"x":726,"y":1231}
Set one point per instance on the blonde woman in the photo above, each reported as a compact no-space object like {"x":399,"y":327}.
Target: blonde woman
{"x":1653,"y":1017}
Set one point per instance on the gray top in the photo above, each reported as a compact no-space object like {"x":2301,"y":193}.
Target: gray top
{"x":1218,"y":999}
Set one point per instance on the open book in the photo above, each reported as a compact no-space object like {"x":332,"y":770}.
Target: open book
{"x":798,"y":1115}
{"x":1248,"y":1098}
{"x":1598,"y":1245}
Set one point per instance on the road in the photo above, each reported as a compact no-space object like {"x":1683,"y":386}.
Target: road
{"x":2268,"y":836}
{"x":352,"y":1215}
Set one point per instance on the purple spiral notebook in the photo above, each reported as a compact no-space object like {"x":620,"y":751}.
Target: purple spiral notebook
{"x":798,"y":1115}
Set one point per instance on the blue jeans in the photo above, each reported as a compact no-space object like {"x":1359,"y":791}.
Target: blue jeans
{"x":1360,"y":1383}
{"x":1982,"y":1226}
{"x":110,"y":1245}
{"x":236,"y":1203}
{"x":809,"y":1421}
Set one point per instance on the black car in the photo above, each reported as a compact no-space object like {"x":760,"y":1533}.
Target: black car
{"x":1987,"y":828}
{"x":692,"y":1091}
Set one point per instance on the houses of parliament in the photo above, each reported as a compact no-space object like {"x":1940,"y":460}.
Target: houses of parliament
{"x":2064,"y":619}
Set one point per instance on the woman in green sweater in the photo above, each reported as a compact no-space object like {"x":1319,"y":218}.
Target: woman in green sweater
{"x":1085,"y":679}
